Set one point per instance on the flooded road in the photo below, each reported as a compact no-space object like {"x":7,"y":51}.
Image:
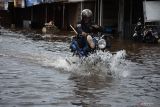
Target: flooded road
{"x":36,"y":74}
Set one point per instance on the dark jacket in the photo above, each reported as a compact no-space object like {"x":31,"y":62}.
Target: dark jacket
{"x":83,"y":27}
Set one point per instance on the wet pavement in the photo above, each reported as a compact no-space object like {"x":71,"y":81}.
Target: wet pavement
{"x":36,"y":74}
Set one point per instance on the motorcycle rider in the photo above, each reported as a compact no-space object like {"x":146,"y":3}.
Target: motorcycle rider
{"x":138,"y":30}
{"x":84,"y":41}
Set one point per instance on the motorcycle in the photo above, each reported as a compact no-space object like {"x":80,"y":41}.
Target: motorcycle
{"x":146,"y":35}
{"x":100,"y":40}
{"x":137,"y":36}
{"x":150,"y":36}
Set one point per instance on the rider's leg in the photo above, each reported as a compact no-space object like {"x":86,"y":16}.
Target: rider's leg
{"x":78,"y":50}
{"x":74,"y":46}
{"x":86,"y":49}
{"x":90,"y":41}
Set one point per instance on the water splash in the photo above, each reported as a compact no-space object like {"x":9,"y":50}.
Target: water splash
{"x":118,"y":64}
{"x":100,"y":63}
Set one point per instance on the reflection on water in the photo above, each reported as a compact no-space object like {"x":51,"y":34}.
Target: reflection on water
{"x":36,"y":74}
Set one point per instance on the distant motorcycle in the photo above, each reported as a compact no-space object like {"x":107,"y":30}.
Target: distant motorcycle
{"x":150,"y":36}
{"x":146,"y":35}
{"x":137,"y":36}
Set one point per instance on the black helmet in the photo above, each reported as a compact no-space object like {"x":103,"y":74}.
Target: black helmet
{"x":86,"y":13}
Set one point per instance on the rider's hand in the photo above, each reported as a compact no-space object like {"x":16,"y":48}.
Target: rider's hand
{"x":84,"y":34}
{"x":95,"y":26}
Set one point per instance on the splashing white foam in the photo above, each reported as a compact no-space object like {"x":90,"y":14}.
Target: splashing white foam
{"x":118,"y":64}
{"x":100,"y":63}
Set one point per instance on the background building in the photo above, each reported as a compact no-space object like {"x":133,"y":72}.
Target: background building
{"x":116,"y":16}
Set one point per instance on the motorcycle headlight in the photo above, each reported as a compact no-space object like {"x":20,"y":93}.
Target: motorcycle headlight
{"x":101,"y":43}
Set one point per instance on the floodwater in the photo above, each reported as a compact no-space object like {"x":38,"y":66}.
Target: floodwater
{"x":37,"y":74}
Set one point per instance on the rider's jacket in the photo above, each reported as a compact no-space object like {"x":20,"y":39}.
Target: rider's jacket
{"x":83,"y":27}
{"x":90,"y":28}
{"x":79,"y":43}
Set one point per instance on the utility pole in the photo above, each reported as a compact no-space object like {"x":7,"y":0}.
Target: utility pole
{"x":131,"y":2}
{"x":46,"y":11}
{"x":100,"y":12}
{"x":63,"y":15}
{"x":121,"y":18}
